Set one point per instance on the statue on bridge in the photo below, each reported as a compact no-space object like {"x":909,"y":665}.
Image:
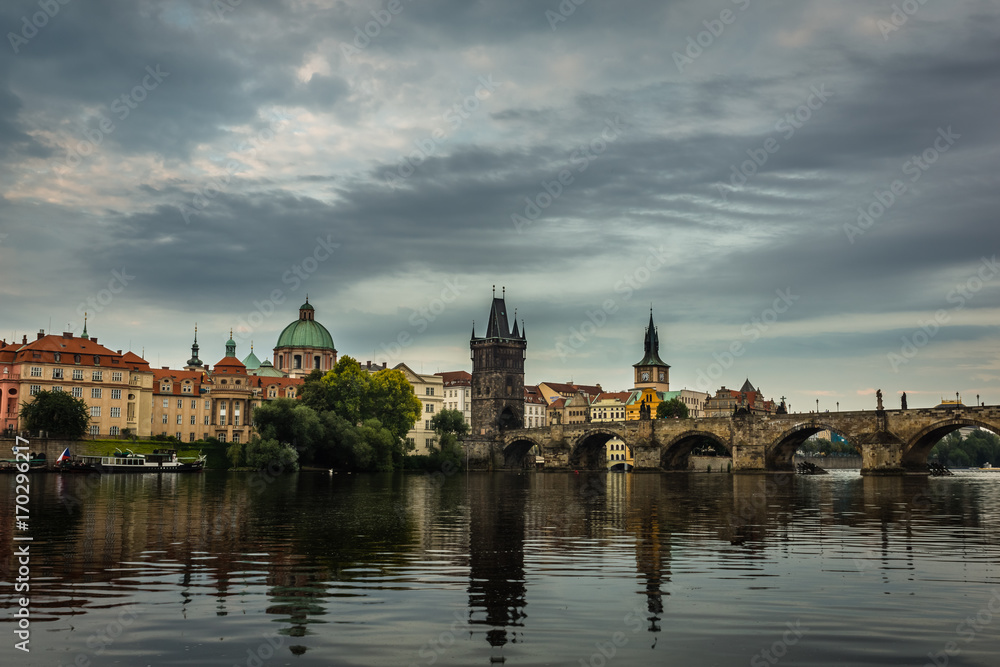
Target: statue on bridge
{"x":902,"y":400}
{"x":878,"y":395}
{"x":645,"y":413}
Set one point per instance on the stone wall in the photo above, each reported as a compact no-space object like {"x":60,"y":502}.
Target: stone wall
{"x":710,"y":464}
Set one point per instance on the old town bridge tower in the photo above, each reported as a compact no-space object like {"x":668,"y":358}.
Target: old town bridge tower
{"x":497,"y":374}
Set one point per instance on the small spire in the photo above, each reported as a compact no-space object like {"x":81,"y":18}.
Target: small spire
{"x":251,"y":346}
{"x":503,"y":293}
{"x":494,"y":291}
{"x":84,"y":334}
{"x":196,"y":332}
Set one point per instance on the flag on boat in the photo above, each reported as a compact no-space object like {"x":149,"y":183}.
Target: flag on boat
{"x":64,"y":456}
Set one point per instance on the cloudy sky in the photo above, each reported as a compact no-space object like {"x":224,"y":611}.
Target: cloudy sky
{"x":806,"y":192}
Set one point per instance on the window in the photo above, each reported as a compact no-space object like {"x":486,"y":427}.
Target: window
{"x":190,"y":437}
{"x":192,"y":422}
{"x":297,"y":361}
{"x":186,"y":389}
{"x":95,"y":392}
{"x":180,"y":403}
{"x":97,"y":376}
{"x":236,"y":437}
{"x":57,"y":356}
{"x":97,"y":360}
{"x":316,"y":362}
{"x":236,"y":420}
{"x":166,"y":402}
{"x":194,"y":404}
{"x":222,"y":437}
{"x":222,"y":419}
{"x":76,"y":360}
{"x":56,"y":389}
{"x":114,"y":430}
{"x":429,"y":442}
{"x":164,"y":417}
{"x":430,"y":391}
{"x":116,"y":376}
{"x":116,"y":412}
{"x":34,"y":389}
{"x":206,"y":422}
{"x":77,"y":392}
{"x":165,"y":388}
{"x":429,"y":407}
{"x":427,"y":424}
{"x":116,"y":394}
{"x":180,"y":419}
{"x":57,"y":374}
{"x":77,"y":374}
{"x":36,"y":371}
{"x":95,"y":411}
{"x":208,"y":404}
{"x":95,"y":429}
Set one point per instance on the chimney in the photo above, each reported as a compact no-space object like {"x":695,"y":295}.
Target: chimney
{"x":119,"y":351}
{"x":67,"y":334}
{"x":24,"y":339}
{"x":41,"y":334}
{"x":383,"y":364}
{"x":93,"y":339}
{"x":166,"y":368}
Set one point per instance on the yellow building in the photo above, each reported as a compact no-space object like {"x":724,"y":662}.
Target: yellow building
{"x":116,"y":387}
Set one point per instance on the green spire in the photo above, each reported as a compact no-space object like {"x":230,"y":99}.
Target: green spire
{"x":230,"y":345}
{"x":84,"y":334}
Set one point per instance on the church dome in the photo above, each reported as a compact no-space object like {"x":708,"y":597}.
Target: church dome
{"x":305,"y":331}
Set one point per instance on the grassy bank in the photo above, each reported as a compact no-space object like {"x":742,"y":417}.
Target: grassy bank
{"x":215,"y":452}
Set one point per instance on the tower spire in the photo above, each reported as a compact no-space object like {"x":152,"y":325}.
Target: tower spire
{"x":84,"y":334}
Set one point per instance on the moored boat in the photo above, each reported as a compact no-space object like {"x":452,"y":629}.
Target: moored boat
{"x":161,"y":460}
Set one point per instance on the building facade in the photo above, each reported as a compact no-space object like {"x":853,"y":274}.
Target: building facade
{"x":458,"y":393}
{"x":429,"y":389}
{"x":116,"y":387}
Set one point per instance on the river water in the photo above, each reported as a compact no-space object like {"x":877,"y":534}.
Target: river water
{"x":505,"y":568}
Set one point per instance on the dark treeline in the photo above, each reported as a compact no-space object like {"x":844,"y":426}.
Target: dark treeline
{"x":973,"y":451}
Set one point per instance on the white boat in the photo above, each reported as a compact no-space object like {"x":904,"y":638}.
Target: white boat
{"x":161,"y":460}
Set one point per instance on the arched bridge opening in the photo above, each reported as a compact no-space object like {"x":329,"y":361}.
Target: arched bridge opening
{"x":590,"y":451}
{"x":676,"y":455}
{"x":521,"y":453}
{"x":780,"y":454}
{"x":918,"y":449}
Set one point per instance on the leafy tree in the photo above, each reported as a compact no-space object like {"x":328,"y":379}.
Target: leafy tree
{"x":391,"y":400}
{"x":450,"y":427}
{"x":289,"y":422}
{"x":673,"y":408}
{"x":263,"y":454}
{"x":57,"y":413}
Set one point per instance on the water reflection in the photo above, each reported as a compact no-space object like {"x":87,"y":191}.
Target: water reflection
{"x":379,"y":567}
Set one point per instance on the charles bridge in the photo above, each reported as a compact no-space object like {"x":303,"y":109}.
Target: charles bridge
{"x":891,"y":442}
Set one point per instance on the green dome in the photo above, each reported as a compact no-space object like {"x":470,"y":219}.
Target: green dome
{"x":305,"y":333}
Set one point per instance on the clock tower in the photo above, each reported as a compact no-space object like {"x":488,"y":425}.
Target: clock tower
{"x":652,"y":372}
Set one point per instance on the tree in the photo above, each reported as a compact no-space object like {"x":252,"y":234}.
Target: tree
{"x":57,"y":413}
{"x":391,"y":400}
{"x":673,"y":408}
{"x":266,"y":454}
{"x":290,"y":423}
{"x":450,"y":427}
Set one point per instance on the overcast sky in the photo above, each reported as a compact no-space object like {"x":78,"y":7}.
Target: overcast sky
{"x":167,"y":163}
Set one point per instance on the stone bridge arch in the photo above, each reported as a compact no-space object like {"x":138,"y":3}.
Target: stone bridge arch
{"x":587,"y":450}
{"x":919,"y":446}
{"x":515,"y":451}
{"x":778,"y":454}
{"x":675,"y":453}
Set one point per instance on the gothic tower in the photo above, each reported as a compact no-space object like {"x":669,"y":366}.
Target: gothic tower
{"x":652,"y":372}
{"x":497,"y":374}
